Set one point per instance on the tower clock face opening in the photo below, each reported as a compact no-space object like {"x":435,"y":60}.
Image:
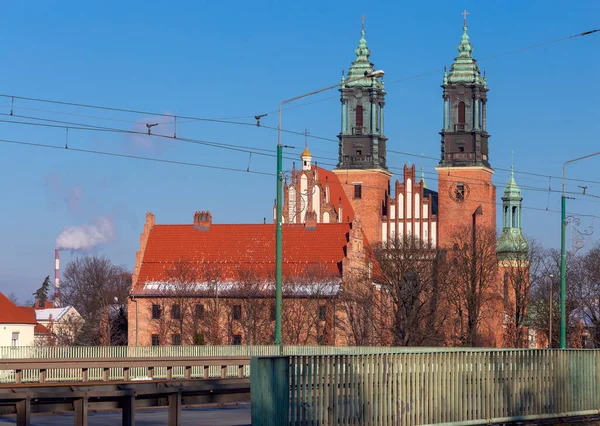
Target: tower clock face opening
{"x":459,"y":191}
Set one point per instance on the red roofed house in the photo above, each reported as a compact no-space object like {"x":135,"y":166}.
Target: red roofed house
{"x":41,"y":334}
{"x":206,"y":283}
{"x":17,"y":327}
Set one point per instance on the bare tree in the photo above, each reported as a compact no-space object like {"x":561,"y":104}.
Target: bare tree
{"x":13,"y":298}
{"x":472,"y":274}
{"x":548,"y":274}
{"x":92,"y":284}
{"x":589,"y":293}
{"x":308,"y":308}
{"x":405,"y":270}
{"x":358,"y":304}
{"x":255,"y":305}
{"x":519,"y":271}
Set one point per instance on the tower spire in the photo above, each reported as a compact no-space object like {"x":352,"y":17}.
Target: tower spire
{"x":306,"y":156}
{"x":362,"y":136}
{"x":511,"y":242}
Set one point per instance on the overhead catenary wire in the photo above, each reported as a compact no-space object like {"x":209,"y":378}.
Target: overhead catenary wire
{"x":134,"y":157}
{"x":258,"y":151}
{"x":229,"y":169}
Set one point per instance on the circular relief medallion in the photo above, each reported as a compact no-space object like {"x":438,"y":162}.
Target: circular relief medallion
{"x":461,"y":89}
{"x":358,"y":93}
{"x":459,"y":191}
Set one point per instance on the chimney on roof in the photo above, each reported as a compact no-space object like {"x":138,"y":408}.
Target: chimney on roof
{"x":202,"y":220}
{"x":310,"y":223}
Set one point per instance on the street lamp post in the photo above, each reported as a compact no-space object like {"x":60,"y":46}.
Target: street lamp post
{"x":551,"y":276}
{"x":563,"y":255}
{"x":279,"y":206}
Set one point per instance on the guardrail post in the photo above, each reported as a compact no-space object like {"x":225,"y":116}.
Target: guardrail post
{"x":23,"y":408}
{"x":128,"y":409}
{"x":270,"y":390}
{"x":80,"y":406}
{"x":175,"y":409}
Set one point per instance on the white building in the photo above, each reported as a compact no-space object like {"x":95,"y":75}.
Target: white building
{"x":16,"y":326}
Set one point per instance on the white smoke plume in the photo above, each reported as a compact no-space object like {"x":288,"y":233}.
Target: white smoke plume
{"x":84,"y":237}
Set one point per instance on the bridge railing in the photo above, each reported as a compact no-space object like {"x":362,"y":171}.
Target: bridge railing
{"x":463,"y":386}
{"x":175,"y":351}
{"x":31,"y":370}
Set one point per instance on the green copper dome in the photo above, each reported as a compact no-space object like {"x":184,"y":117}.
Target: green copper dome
{"x":362,"y":65}
{"x":465,"y":68}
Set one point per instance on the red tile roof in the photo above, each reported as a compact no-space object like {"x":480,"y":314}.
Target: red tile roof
{"x":225,"y":249}
{"x":39,"y":328}
{"x":12,"y":314}
{"x":336,"y":192}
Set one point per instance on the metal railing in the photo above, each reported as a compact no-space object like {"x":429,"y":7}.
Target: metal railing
{"x":459,"y":387}
{"x":32,"y":370}
{"x":179,"y":351}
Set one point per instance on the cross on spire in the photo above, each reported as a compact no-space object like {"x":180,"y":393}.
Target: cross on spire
{"x":363,"y":21}
{"x":464,"y":14}
{"x":512,"y":160}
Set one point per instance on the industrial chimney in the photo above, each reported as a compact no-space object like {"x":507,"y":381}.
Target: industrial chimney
{"x":56,"y":278}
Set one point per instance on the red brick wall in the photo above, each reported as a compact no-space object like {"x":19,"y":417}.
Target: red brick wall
{"x":479,"y":191}
{"x":368,"y":208}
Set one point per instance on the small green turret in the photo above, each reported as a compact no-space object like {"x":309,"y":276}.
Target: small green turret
{"x":511,"y":245}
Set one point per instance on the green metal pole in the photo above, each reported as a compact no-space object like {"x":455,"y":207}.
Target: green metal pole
{"x":563,"y":274}
{"x":278,"y":247}
{"x":279,"y":201}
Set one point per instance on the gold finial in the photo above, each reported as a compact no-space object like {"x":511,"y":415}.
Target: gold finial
{"x":464,"y":14}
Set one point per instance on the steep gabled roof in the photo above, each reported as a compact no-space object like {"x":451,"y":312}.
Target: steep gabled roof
{"x":12,"y":314}
{"x":336,"y":193}
{"x":222,"y":252}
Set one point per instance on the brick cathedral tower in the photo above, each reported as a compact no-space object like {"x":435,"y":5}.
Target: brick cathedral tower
{"x":361,"y":168}
{"x":464,"y":171}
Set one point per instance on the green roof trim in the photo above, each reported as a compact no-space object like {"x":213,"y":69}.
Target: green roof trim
{"x":362,"y":65}
{"x":465,"y":68}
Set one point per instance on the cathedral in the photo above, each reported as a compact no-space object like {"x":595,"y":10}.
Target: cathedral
{"x":330,"y":216}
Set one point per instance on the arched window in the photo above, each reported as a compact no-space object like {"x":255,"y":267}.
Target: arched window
{"x":461,"y":113}
{"x":515,"y":217}
{"x":506,"y":218}
{"x":359,"y":116}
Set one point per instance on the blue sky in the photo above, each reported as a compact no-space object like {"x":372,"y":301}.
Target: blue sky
{"x":238,"y":59}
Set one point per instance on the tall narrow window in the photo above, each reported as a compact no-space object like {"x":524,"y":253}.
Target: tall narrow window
{"x":176,"y":312}
{"x":461,"y":113}
{"x":176,"y":339}
{"x":237,"y":312}
{"x":200,"y":311}
{"x":322,"y":313}
{"x":515,"y":220}
{"x":155,"y":311}
{"x":357,"y":191}
{"x":359,"y":116}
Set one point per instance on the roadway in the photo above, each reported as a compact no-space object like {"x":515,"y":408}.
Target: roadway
{"x":214,"y":416}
